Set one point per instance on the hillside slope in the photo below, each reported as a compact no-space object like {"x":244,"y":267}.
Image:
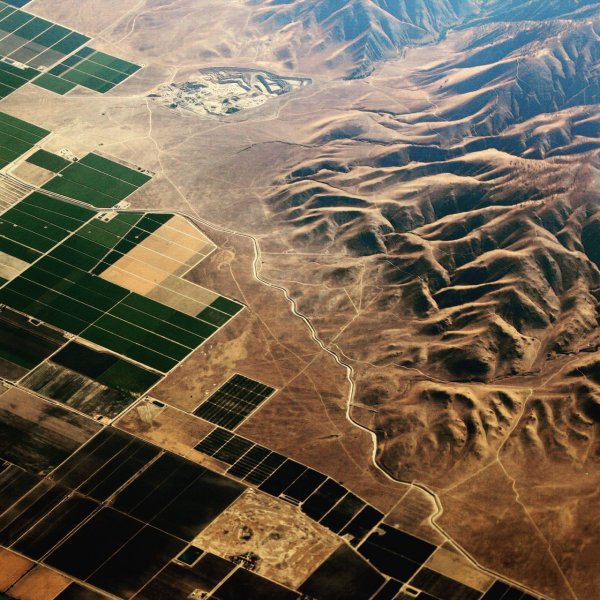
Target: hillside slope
{"x":463,"y":225}
{"x":357,"y":33}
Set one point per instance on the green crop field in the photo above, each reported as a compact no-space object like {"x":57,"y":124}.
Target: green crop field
{"x":33,"y":42}
{"x":18,"y":250}
{"x":38,"y":51}
{"x":67,"y":244}
{"x":49,"y":161}
{"x":97,"y":181}
{"x":94,"y":70}
{"x":17,"y":137}
{"x":105,"y":165}
{"x":12,"y":78}
{"x":40,"y":222}
{"x":17,"y":3}
{"x":54,"y":84}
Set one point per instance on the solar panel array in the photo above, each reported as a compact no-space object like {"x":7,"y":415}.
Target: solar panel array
{"x":238,"y":398}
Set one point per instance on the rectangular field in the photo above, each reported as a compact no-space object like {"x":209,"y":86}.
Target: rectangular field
{"x":29,"y":44}
{"x":17,"y":136}
{"x":60,"y":290}
{"x":105,"y":368}
{"x":129,"y":456}
{"x":137,"y":562}
{"x":24,"y":345}
{"x":92,"y":381}
{"x":178,"y":581}
{"x":54,"y":84}
{"x":40,"y":222}
{"x":38,"y":435}
{"x":78,"y":391}
{"x":235,"y":400}
{"x":15,"y":482}
{"x":94,"y":543}
{"x":97,"y":181}
{"x":344,"y":575}
{"x":177,"y":496}
{"x":395,"y":553}
{"x":93,"y":70}
{"x":246,"y":584}
{"x":56,"y":525}
{"x":27,"y":510}
{"x":49,"y":161}
{"x":13,"y":77}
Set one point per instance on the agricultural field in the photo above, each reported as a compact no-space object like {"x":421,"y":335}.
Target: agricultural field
{"x":88,"y":68}
{"x":23,"y":344}
{"x":234,"y":401}
{"x":93,"y":179}
{"x":53,"y":57}
{"x":17,"y":137}
{"x":29,"y":44}
{"x":94,"y":382}
{"x":37,"y":435}
{"x":115,"y":279}
{"x":48,"y":161}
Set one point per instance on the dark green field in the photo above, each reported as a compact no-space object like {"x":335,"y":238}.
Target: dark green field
{"x":54,"y":84}
{"x":40,"y":222}
{"x":25,"y":344}
{"x":17,"y":3}
{"x":65,"y":295}
{"x":40,"y":44}
{"x":49,"y":161}
{"x":62,"y":288}
{"x":12,"y":78}
{"x":97,"y":181}
{"x":17,"y":136}
{"x":94,"y":70}
{"x":117,"y":170}
{"x":105,"y":368}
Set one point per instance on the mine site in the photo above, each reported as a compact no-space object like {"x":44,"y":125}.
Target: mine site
{"x":226,"y":91}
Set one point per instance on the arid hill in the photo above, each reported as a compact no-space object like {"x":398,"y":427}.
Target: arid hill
{"x":469,"y":226}
{"x":357,"y":33}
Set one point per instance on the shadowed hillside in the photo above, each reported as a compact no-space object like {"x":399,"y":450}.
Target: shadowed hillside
{"x":468,"y":219}
{"x":357,"y":33}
